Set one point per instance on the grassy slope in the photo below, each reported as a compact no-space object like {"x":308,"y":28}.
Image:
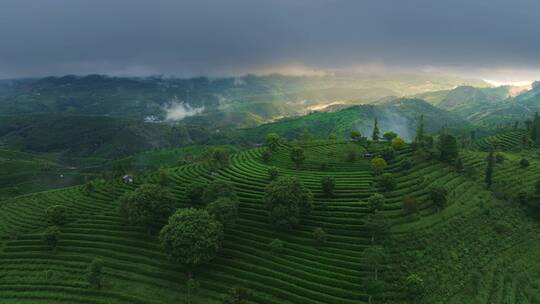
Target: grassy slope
{"x":76,"y":135}
{"x":446,"y":248}
{"x":22,"y":172}
{"x":398,"y":115}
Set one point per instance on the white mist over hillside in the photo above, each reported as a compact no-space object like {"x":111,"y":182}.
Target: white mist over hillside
{"x":178,"y":110}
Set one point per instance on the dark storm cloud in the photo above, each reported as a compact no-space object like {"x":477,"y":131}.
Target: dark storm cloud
{"x":184,"y":38}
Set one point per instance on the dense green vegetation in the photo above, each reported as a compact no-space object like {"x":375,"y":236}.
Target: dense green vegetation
{"x":395,"y":202}
{"x":354,"y":246}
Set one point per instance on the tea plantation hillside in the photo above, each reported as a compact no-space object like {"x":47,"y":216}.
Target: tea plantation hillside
{"x":22,"y":172}
{"x":436,"y":246}
{"x":506,"y":140}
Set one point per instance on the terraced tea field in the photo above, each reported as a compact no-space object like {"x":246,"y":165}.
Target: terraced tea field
{"x":137,"y":270}
{"x":509,"y":140}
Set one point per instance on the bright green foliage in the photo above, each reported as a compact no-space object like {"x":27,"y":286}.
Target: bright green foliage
{"x":56,"y":215}
{"x":356,"y":135}
{"x":276,"y":246}
{"x":499,"y":158}
{"x":237,"y":295}
{"x":328,"y":184}
{"x":287,"y":200}
{"x":376,"y":202}
{"x":297,"y":156}
{"x":390,"y":136}
{"x":273,"y":173}
{"x":94,"y":273}
{"x":319,"y":236}
{"x":149,"y":206}
{"x":272,"y":141}
{"x":415,"y":287}
{"x":51,"y":237}
{"x":397,"y":143}
{"x":388,"y":182}
{"x":192,"y":237}
{"x":217,"y":189}
{"x":378,"y":164}
{"x":448,"y":148}
{"x":194,"y":193}
{"x":375,"y":135}
{"x":438,"y":197}
{"x":224,"y":210}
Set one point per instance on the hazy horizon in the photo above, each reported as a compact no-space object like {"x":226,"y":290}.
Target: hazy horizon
{"x":473,"y":39}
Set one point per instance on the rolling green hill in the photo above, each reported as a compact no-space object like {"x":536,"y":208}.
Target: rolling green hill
{"x":479,"y":249}
{"x":22,"y":173}
{"x":77,"y":135}
{"x":252,"y":99}
{"x":398,"y":115}
{"x":487,"y":106}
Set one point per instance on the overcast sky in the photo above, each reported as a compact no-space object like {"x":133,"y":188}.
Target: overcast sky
{"x":486,"y":38}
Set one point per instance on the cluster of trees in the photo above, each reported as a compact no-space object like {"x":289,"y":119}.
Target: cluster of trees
{"x":191,"y":236}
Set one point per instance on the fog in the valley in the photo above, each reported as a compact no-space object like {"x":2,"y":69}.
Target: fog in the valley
{"x":177,"y":110}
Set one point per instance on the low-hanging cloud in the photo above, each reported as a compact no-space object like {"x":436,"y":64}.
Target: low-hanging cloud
{"x":177,"y":110}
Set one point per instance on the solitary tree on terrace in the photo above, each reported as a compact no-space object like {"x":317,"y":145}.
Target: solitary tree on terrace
{"x":376,"y":133}
{"x":149,"y":206}
{"x":297,"y":156}
{"x":192,"y":237}
{"x":56,"y":215}
{"x":272,"y":141}
{"x":225,"y":210}
{"x":378,"y":164}
{"x":94,"y":273}
{"x":376,"y":202}
{"x":287,"y":199}
{"x":356,"y":135}
{"x":389,"y":136}
{"x":217,"y":189}
{"x":328,"y":184}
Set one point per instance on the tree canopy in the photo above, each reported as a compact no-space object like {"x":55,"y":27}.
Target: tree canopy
{"x":217,"y":189}
{"x":149,"y":206}
{"x":192,"y":236}
{"x":287,"y":199}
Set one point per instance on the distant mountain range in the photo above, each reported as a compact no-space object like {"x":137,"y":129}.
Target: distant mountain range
{"x":114,"y":117}
{"x":241,"y":101}
{"x":488,"y":106}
